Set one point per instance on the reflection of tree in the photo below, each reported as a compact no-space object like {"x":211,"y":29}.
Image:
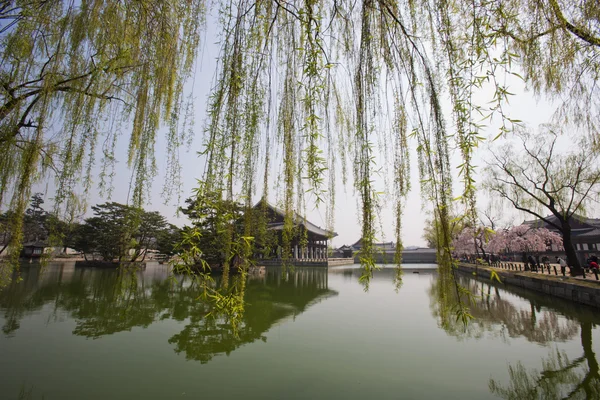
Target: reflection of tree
{"x":559,"y":378}
{"x":268,"y":299}
{"x":493,"y":313}
{"x":106,"y":302}
{"x":19,"y":300}
{"x":103,"y":302}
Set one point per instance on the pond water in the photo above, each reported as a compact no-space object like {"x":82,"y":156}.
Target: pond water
{"x":310,"y":333}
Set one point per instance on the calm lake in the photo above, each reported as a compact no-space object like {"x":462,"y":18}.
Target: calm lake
{"x":310,"y":333}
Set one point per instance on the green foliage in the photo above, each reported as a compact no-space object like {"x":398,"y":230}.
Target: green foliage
{"x":320,"y":72}
{"x":109,"y":232}
{"x":69,"y":82}
{"x":494,"y":276}
{"x":216,"y":225}
{"x":115,"y":229}
{"x":168,"y":239}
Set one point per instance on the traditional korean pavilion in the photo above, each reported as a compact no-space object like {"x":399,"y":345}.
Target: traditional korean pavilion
{"x":314,"y":252}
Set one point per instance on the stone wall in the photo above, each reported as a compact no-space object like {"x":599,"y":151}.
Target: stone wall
{"x":586,"y":292}
{"x":334,"y":262}
{"x":421,"y":256}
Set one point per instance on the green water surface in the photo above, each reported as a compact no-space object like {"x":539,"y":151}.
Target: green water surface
{"x":310,"y":333}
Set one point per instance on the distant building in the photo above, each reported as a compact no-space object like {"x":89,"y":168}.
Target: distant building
{"x":384,"y":246}
{"x":33,"y":249}
{"x":385,"y":253}
{"x":345,"y":251}
{"x":585,"y":232}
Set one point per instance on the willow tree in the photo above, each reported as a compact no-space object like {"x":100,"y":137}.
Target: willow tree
{"x":325,"y":82}
{"x":331,"y":82}
{"x":74,"y":74}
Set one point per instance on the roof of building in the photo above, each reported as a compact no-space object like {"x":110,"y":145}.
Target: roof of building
{"x":298,"y":220}
{"x":38,"y":243}
{"x":591,"y":222}
{"x":588,"y":233}
{"x":382,"y":245}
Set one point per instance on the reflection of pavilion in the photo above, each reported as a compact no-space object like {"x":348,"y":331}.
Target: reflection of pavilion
{"x":271,"y":298}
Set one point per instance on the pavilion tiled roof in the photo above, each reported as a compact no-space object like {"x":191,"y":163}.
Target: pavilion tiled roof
{"x":298,"y":220}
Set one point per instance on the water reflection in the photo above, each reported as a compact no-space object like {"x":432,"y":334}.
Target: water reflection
{"x":560,"y":378}
{"x":495,"y":311}
{"x":104,"y":302}
{"x":510,"y":312}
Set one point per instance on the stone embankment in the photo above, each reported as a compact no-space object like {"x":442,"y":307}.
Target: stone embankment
{"x":574,"y":289}
{"x":336,"y":262}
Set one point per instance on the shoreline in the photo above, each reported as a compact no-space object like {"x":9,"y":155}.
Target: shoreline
{"x":564,"y":287}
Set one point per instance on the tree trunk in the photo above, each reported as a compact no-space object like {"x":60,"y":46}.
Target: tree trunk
{"x":572,"y":260}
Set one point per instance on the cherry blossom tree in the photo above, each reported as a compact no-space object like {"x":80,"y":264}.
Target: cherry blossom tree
{"x":499,"y":242}
{"x":523,"y":238}
{"x":473,"y":240}
{"x":542,"y":178}
{"x":464,"y":243}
